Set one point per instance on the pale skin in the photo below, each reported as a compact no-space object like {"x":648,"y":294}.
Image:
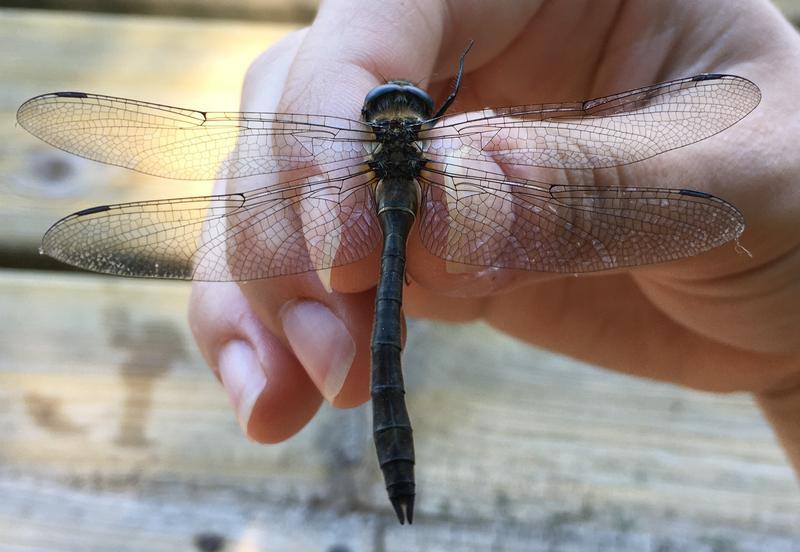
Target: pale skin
{"x":723,"y":321}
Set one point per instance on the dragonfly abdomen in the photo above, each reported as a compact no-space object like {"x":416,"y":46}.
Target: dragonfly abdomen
{"x":397,"y":201}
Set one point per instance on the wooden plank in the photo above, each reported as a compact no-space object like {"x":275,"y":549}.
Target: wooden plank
{"x":791,"y":9}
{"x":115,"y":436}
{"x":301,"y":11}
{"x":248,"y":10}
{"x":172,"y":61}
{"x":114,"y":431}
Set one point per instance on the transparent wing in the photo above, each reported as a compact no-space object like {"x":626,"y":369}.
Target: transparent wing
{"x":604,"y":132}
{"x":477,"y":218}
{"x":191,"y":145}
{"x":312,"y":223}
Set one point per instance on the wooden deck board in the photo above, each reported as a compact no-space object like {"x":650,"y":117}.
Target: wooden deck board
{"x":116,"y":437}
{"x":111,"y":422}
{"x":247,"y":10}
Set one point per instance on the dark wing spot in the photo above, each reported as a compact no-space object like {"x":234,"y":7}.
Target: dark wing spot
{"x":92,"y":210}
{"x":71,"y":95}
{"x":707,"y":76}
{"x":694,"y":193}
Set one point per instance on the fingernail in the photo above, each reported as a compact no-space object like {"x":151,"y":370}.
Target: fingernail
{"x":242,"y":377}
{"x":324,"y":276}
{"x":321,"y":343}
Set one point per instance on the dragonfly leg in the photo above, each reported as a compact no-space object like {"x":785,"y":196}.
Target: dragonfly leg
{"x":452,"y":97}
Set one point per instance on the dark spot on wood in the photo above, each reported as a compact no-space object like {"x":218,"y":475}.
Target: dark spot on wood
{"x":503,"y":504}
{"x":676,"y":406}
{"x":53,"y":170}
{"x":665,"y":545}
{"x":151,"y":346}
{"x":46,"y":413}
{"x":209,"y":542}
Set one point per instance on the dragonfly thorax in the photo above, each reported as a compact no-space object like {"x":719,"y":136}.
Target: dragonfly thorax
{"x":397,"y":155}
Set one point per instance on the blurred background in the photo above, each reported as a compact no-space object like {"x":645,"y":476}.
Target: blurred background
{"x":115,"y":436}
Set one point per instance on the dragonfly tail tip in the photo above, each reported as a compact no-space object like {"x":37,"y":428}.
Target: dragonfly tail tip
{"x":404,"y":508}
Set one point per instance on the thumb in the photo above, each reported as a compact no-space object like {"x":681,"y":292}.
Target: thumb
{"x":354,"y":46}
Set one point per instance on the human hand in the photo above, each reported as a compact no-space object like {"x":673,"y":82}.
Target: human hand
{"x":722,"y":321}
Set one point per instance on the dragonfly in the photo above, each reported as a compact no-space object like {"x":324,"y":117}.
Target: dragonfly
{"x":330,"y":191}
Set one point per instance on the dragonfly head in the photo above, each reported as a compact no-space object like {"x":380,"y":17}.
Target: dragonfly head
{"x":397,"y":99}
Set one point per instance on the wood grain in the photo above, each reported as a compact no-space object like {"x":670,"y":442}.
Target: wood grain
{"x":790,"y":8}
{"x":116,"y":437}
{"x":112,"y":425}
{"x":247,"y":10}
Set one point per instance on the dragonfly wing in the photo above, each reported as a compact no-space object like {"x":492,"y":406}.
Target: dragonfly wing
{"x":478,"y":218}
{"x":604,"y":132}
{"x":191,"y":145}
{"x":312,"y":223}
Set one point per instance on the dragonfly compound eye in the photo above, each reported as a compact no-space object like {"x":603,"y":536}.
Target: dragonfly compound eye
{"x":397,"y":98}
